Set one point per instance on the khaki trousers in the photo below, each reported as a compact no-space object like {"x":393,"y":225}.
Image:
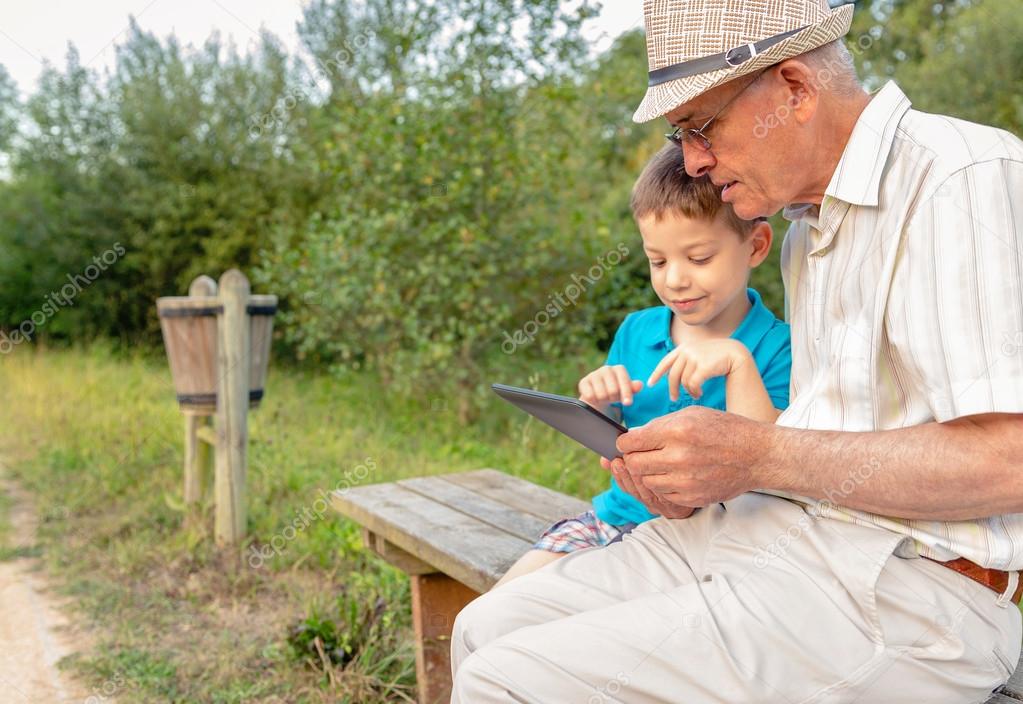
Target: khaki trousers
{"x":753,"y":600}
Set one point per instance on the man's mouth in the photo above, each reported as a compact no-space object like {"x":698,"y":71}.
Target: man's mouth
{"x":728,"y":187}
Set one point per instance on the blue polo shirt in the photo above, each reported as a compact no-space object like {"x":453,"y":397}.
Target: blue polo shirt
{"x":643,"y":339}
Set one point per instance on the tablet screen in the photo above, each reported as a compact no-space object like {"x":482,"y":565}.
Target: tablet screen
{"x":576,"y":419}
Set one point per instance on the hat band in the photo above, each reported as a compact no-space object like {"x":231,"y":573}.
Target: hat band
{"x":726,"y":59}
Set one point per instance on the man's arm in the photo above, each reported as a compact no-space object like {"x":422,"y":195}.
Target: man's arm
{"x":964,"y":468}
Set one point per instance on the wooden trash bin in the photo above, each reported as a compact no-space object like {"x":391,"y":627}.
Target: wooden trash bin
{"x":189,"y":326}
{"x":218,"y":347}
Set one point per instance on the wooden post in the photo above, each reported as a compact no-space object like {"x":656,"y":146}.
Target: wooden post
{"x":197,"y":458}
{"x":197,"y":452}
{"x":202,"y":286}
{"x":233,"y":364}
{"x":436,"y":600}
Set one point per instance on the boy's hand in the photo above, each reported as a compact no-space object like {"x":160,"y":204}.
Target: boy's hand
{"x":692,"y":364}
{"x":608,"y":385}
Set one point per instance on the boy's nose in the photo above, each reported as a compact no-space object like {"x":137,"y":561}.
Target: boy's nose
{"x":677,"y":278}
{"x":697,"y":161}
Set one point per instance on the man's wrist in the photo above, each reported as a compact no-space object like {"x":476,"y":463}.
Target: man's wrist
{"x":769,"y":466}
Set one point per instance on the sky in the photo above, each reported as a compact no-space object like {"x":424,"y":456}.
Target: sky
{"x":31,"y":33}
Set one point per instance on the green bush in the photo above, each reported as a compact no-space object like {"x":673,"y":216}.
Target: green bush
{"x":463,"y":215}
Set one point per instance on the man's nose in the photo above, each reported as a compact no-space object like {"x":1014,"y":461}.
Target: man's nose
{"x":698,"y":161}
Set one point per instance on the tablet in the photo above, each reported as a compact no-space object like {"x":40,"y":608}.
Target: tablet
{"x":576,"y":419}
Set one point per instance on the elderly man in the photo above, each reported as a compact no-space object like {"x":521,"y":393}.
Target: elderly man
{"x":867,"y":547}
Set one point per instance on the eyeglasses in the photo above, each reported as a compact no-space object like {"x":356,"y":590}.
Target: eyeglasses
{"x":697,"y":137}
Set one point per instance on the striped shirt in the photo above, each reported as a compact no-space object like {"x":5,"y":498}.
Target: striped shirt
{"x":904,"y":292}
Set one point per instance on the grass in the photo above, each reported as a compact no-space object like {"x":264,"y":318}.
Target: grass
{"x":96,"y":437}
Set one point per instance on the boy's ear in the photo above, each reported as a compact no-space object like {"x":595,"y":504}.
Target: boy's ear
{"x":760,"y":237}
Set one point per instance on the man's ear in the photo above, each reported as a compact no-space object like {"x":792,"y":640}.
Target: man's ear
{"x":801,"y":88}
{"x":761,"y":238}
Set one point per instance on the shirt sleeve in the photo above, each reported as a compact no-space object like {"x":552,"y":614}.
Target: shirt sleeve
{"x":961,"y":278}
{"x":778,"y":370}
{"x":614,"y":353}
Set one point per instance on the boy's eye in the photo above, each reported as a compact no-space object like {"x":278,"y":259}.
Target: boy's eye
{"x":657,"y":263}
{"x":700,"y":260}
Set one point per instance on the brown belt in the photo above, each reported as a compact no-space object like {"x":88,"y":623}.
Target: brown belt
{"x":996,"y":580}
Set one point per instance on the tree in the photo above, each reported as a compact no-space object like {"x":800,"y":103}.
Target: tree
{"x":10,"y":108}
{"x":462,"y":187}
{"x":159,"y":159}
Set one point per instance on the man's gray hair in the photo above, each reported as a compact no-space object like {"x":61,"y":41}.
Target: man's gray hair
{"x":834,"y":68}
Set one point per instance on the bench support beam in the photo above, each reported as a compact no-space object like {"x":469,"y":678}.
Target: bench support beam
{"x":403,"y":560}
{"x":436,"y":600}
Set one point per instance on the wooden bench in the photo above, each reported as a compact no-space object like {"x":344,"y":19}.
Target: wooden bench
{"x":455,"y":535}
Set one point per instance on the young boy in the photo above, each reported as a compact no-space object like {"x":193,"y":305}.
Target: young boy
{"x":713,"y":337}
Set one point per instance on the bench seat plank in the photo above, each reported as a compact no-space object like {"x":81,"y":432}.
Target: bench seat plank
{"x":521,"y":495}
{"x":483,"y":508}
{"x":472,"y":552}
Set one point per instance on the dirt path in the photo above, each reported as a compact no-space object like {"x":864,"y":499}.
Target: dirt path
{"x":34,"y":634}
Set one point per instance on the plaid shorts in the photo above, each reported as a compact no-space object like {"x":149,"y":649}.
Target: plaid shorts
{"x":582,"y":531}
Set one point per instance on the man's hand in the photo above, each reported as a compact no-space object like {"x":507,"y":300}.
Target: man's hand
{"x":652,"y":501}
{"x":694,"y":457}
{"x":692,"y":364}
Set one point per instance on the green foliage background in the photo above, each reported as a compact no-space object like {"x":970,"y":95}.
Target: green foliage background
{"x":417,"y":181}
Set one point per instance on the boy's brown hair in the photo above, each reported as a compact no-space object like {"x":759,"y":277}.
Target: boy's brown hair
{"x":665,"y":187}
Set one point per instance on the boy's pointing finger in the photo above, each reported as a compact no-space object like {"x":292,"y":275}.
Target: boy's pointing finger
{"x":663,"y":366}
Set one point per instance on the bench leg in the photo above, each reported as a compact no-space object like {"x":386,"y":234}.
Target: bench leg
{"x":436,"y":600}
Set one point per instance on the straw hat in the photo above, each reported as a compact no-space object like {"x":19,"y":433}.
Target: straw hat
{"x":695,"y":45}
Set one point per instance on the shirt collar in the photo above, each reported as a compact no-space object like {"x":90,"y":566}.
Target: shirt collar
{"x":857,"y":178}
{"x":802,"y":211}
{"x":758,"y":321}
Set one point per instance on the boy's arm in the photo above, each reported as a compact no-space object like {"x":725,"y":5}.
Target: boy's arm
{"x":745,"y":393}
{"x":693,"y":364}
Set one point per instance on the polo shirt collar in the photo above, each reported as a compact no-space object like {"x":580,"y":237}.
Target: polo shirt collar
{"x":857,"y":178}
{"x":758,"y":321}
